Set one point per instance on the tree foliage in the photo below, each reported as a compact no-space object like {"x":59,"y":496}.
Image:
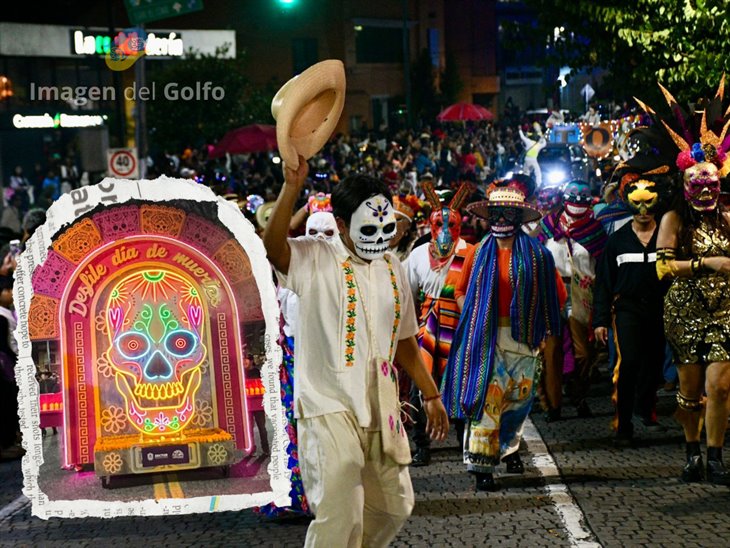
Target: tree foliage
{"x":175,"y":124}
{"x":680,"y":43}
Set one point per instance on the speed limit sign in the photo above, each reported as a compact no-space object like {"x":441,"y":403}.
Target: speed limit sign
{"x":122,"y":163}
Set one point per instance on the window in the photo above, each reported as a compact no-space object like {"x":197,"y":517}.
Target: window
{"x":304,"y":53}
{"x":379,"y":45}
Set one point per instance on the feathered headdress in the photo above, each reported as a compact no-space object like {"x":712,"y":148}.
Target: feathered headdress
{"x":700,"y":135}
{"x":407,"y":205}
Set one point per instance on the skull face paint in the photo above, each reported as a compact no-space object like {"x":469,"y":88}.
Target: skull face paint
{"x":641,"y":196}
{"x":504,"y":222}
{"x":155,"y":326}
{"x":372,"y":226}
{"x":577,"y":199}
{"x":702,"y":186}
{"x":321,"y":226}
{"x":445,"y":232}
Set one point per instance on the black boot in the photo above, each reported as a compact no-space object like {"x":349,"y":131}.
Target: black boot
{"x":693,"y":471}
{"x":716,"y":471}
{"x":422,"y":457}
{"x":514,"y":463}
{"x":485,"y":482}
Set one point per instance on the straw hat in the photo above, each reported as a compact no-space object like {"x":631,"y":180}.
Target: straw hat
{"x":263,"y":213}
{"x":506,"y":194}
{"x":307,"y":109}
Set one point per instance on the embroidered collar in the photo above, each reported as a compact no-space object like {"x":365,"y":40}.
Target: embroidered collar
{"x":353,"y":294}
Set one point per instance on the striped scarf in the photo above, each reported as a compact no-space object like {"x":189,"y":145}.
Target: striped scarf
{"x":534,"y":313}
{"x":586,"y":231}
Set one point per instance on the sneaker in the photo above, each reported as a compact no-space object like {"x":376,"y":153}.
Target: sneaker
{"x":650,"y":424}
{"x":422,"y":457}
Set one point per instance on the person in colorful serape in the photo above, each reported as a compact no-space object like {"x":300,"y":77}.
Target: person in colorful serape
{"x":509,"y":300}
{"x":433,"y":272}
{"x":576,"y":241}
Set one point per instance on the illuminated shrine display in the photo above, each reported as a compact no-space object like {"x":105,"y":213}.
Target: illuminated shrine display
{"x":147,"y":303}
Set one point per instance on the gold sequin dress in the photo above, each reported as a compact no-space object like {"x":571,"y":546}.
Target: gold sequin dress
{"x":697,"y":309}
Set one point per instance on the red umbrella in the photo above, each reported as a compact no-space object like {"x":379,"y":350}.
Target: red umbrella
{"x":253,"y":138}
{"x":464,"y":111}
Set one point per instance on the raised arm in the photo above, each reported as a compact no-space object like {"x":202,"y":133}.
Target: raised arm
{"x":275,"y":242}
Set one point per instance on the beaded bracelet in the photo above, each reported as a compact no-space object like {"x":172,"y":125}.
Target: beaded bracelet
{"x":437,"y":396}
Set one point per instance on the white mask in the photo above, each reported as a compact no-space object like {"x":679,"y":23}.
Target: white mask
{"x":372,"y":226}
{"x":322,"y":226}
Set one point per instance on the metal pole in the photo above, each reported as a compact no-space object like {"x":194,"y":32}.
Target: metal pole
{"x":140,"y":111}
{"x":407,"y":63}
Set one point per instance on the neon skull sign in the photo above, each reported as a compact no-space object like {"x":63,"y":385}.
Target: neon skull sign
{"x":155,"y":325}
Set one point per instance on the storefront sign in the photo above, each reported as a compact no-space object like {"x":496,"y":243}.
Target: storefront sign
{"x":21,"y":121}
{"x":169,"y":45}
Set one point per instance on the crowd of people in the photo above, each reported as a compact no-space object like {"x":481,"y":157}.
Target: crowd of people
{"x":465,"y":294}
{"x":511,"y":306}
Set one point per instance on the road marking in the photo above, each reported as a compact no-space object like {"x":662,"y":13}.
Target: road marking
{"x":570,"y":513}
{"x":160,"y":491}
{"x":175,"y":488}
{"x":14,"y":507}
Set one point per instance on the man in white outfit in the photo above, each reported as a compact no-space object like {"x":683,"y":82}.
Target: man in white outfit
{"x":356,"y":317}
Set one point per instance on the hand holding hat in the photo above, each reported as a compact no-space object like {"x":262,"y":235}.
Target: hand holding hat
{"x":307,"y":109}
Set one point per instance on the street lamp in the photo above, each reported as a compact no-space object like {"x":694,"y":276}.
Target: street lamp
{"x":287,"y":3}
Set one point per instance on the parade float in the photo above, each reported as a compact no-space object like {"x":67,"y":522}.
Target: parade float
{"x":149,"y":306}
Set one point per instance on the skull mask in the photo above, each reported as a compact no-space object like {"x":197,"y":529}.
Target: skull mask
{"x":577,"y":199}
{"x":155,"y":325}
{"x":702,"y":186}
{"x":321,"y":226}
{"x":372,"y":226}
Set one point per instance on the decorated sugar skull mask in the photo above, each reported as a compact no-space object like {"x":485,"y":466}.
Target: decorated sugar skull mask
{"x":445,"y":231}
{"x":548,"y":197}
{"x":640,"y":195}
{"x":577,"y":199}
{"x":155,"y":326}
{"x":372,"y":226}
{"x":504,"y":221}
{"x":321,"y":225}
{"x":702,"y":186}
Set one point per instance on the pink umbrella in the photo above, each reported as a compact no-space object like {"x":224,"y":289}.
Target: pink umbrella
{"x":460,"y":112}
{"x":253,"y":138}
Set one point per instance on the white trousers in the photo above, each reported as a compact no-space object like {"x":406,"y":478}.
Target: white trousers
{"x":359,"y":496}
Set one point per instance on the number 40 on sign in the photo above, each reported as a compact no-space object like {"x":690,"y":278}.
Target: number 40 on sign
{"x":122,"y":163}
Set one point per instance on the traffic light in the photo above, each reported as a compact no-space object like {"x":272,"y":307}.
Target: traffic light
{"x":286,"y":3}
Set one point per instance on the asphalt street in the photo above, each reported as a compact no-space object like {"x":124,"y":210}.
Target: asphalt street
{"x":577,"y":491}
